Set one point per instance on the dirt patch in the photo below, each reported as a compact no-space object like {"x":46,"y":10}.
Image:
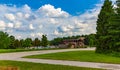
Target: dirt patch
{"x":9,"y":68}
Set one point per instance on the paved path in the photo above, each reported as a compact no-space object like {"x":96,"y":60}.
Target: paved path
{"x":17,"y":57}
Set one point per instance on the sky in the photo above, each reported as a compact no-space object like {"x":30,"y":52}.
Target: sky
{"x":54,"y":18}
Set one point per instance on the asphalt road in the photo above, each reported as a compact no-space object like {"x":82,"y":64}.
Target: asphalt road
{"x":17,"y":56}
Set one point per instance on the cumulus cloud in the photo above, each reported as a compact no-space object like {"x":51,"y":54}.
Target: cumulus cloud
{"x":19,"y":15}
{"x":10,"y":17}
{"x":56,"y":33}
{"x":27,"y":15}
{"x":17,"y":24}
{"x":50,"y":11}
{"x":31,"y":26}
{"x":34,"y":35}
{"x":2,"y":25}
{"x":23,"y":22}
{"x":10,"y":25}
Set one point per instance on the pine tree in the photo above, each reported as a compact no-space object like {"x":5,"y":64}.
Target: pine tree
{"x":102,"y":28}
{"x":114,"y":29}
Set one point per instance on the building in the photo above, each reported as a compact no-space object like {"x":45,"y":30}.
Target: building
{"x":73,"y":43}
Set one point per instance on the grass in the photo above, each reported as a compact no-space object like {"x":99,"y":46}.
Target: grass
{"x":38,"y":66}
{"x":23,"y":50}
{"x":86,"y":56}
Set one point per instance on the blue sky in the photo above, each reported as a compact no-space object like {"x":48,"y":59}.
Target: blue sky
{"x":73,"y":7}
{"x":55,"y":18}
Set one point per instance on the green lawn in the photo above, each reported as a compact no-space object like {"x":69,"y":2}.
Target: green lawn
{"x":23,"y":50}
{"x":38,"y":66}
{"x":13,"y":50}
{"x":87,"y":56}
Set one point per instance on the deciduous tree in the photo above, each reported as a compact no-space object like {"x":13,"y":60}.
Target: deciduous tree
{"x":44,"y":41}
{"x":5,"y":40}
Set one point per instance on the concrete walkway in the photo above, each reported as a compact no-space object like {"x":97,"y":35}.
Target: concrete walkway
{"x":17,"y":57}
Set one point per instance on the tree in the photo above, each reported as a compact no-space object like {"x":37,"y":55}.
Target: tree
{"x":22,"y":43}
{"x":56,"y":41}
{"x":5,"y":40}
{"x":16,"y":43}
{"x":12,"y":42}
{"x":44,"y":41}
{"x":103,"y":21}
{"x":36,"y":42}
{"x":28,"y":42}
{"x":114,"y":29}
{"x":92,"y":40}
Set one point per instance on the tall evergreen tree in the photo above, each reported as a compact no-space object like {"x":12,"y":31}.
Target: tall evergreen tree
{"x":102,"y":27}
{"x":114,"y":29}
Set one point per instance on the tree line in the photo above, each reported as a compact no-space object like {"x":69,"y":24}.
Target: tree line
{"x":108,"y":28}
{"x":89,"y":40}
{"x":9,"y":42}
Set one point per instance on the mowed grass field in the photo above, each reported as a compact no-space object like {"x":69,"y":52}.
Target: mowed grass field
{"x":85,"y":56}
{"x":24,"y":50}
{"x":14,"y":50}
{"x":38,"y":66}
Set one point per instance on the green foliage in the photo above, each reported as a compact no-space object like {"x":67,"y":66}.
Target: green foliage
{"x":21,"y":43}
{"x":36,"y":42}
{"x":44,"y":41}
{"x":108,"y":28}
{"x":27,"y":42}
{"x":114,"y":29}
{"x":56,"y":41}
{"x":103,"y":22}
{"x":5,"y":40}
{"x":92,"y":40}
{"x":17,"y":43}
{"x":12,"y":46}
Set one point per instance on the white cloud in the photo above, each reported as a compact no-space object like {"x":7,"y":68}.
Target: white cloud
{"x":31,"y":26}
{"x":113,"y":0}
{"x":10,"y":25}
{"x":65,"y":28}
{"x":18,"y":37}
{"x":34,"y":35}
{"x":40,"y":26}
{"x":56,"y":33}
{"x":17,"y":24}
{"x":24,"y":22}
{"x":10,"y":17}
{"x":19,"y":15}
{"x":39,"y":34}
{"x":2,"y":25}
{"x":50,"y":11}
{"x":53,"y":21}
{"x":27,"y":15}
{"x":26,"y":8}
